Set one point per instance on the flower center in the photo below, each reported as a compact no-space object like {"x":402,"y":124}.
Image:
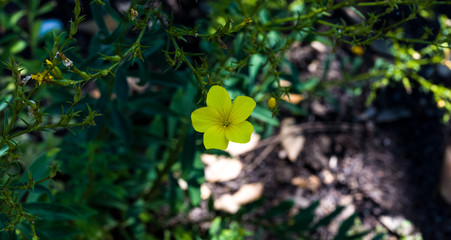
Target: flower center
{"x":226,"y":123}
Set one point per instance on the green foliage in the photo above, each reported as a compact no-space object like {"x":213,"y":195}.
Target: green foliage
{"x":116,"y":173}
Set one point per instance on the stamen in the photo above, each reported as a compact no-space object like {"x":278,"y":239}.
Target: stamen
{"x":226,"y":123}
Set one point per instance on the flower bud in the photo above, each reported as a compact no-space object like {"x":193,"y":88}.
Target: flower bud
{"x":63,"y":82}
{"x":56,"y":72}
{"x":272,"y":103}
{"x":82,"y":74}
{"x":115,"y":58}
{"x":133,"y":14}
{"x":104,"y":72}
{"x":357,"y":50}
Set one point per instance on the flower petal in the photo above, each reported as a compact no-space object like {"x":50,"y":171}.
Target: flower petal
{"x":204,"y":118}
{"x":242,"y":108}
{"x":240,"y":133}
{"x":219,"y":98}
{"x":215,"y":137}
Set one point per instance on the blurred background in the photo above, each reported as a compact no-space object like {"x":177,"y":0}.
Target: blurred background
{"x":354,"y":144}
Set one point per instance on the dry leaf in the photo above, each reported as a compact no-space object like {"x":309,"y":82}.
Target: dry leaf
{"x":236,"y":149}
{"x":248,"y":193}
{"x":319,"y":108}
{"x":205,"y":191}
{"x":397,"y":224}
{"x":182,"y":184}
{"x":207,"y":159}
{"x":226,"y":203}
{"x":312,"y":183}
{"x":223,"y":169}
{"x":293,"y":144}
{"x":293,"y":98}
{"x":284,"y":83}
{"x":134,"y":87}
{"x":328,"y":178}
{"x":95,"y":93}
{"x":320,"y":47}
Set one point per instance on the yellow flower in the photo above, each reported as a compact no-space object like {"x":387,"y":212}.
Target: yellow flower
{"x":221,"y":121}
{"x":42,"y":77}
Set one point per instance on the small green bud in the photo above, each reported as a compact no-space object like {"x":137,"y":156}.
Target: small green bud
{"x":53,"y":171}
{"x":64,"y":82}
{"x":104,"y":72}
{"x":115,"y":58}
{"x":84,"y":75}
{"x":77,"y":96}
{"x":81,"y":73}
{"x":55,"y":71}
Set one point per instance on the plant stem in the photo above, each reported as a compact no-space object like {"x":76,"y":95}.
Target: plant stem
{"x":169,"y":163}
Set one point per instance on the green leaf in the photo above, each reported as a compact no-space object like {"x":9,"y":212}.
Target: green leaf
{"x":4,"y":150}
{"x":35,"y":34}
{"x":188,"y":155}
{"x":117,"y":33}
{"x":6,"y":235}
{"x":307,"y":85}
{"x":121,"y":87}
{"x":115,"y":195}
{"x":380,"y":236}
{"x":329,"y":58}
{"x":250,"y":207}
{"x":358,"y":12}
{"x":156,"y":43}
{"x":26,"y":231}
{"x":150,"y":106}
{"x":16,"y":17}
{"x":58,"y":231}
{"x":37,"y":192}
{"x":5,"y":119}
{"x":168,"y":79}
{"x":327,"y":219}
{"x":45,"y":8}
{"x":98,"y":15}
{"x":40,"y":167}
{"x":280,"y":209}
{"x":194,"y":192}
{"x":357,"y":236}
{"x":5,"y":101}
{"x":295,"y":110}
{"x":264,"y":115}
{"x":121,"y":125}
{"x":274,"y":39}
{"x":345,"y":226}
{"x":18,"y":46}
{"x":51,"y":211}
{"x":215,"y":227}
{"x":304,"y":218}
{"x":256,"y":62}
